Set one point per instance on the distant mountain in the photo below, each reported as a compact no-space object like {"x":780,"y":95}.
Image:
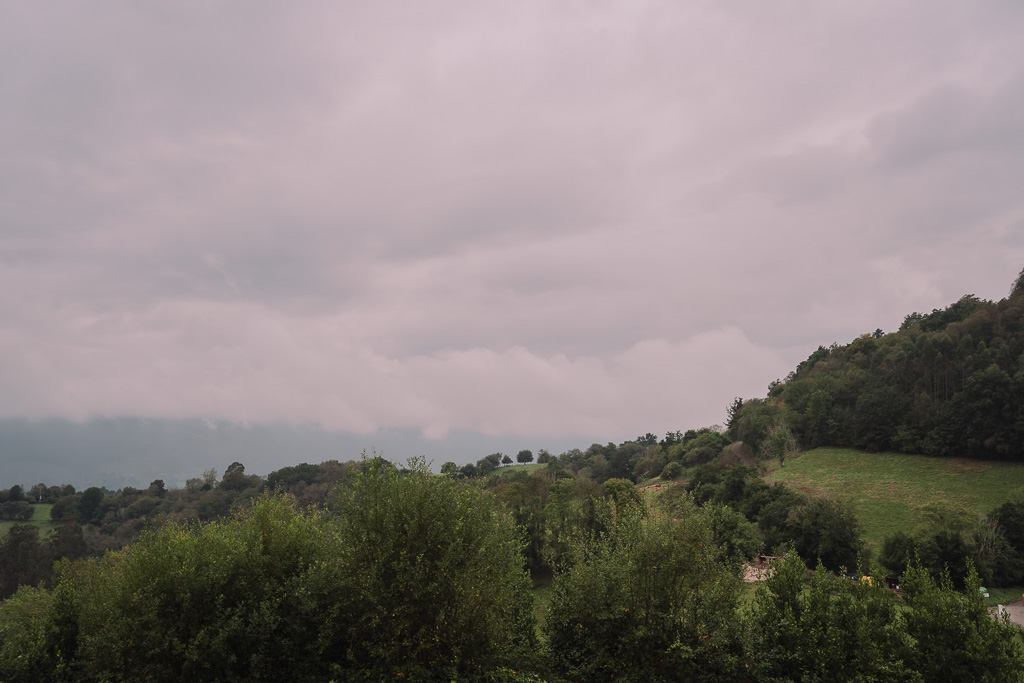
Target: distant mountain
{"x":133,"y":451}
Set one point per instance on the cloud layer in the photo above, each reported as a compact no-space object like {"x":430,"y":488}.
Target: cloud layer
{"x":591,"y":218}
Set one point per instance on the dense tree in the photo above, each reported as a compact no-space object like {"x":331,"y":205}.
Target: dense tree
{"x":489,"y":463}
{"x":89,"y":504}
{"x":66,"y":506}
{"x":235,"y":479}
{"x":829,"y":630}
{"x":899,"y":550}
{"x":950,"y":382}
{"x":20,"y":510}
{"x":436,"y":573}
{"x":524,"y":456}
{"x":838,"y":630}
{"x":672,"y":470}
{"x":287,"y":477}
{"x":648,"y":600}
{"x":736,"y":538}
{"x":66,"y":541}
{"x":22,"y":559}
{"x":826,"y":529}
{"x":955,"y":638}
{"x":1009,"y":522}
{"x":732,"y":415}
{"x":256,"y":597}
{"x":877,"y":414}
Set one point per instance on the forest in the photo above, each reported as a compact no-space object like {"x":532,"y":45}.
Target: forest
{"x":617,"y":562}
{"x":949,"y":382}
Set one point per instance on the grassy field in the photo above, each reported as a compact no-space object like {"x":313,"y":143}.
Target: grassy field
{"x":888,"y":490}
{"x":506,"y":470}
{"x":40,"y":517}
{"x":541,"y":600}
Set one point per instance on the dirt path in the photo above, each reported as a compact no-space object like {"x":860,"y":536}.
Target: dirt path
{"x":744,"y":453}
{"x":1015,"y":610}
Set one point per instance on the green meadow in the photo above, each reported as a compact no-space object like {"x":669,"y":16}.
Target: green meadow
{"x":889,"y":490}
{"x":40,"y":517}
{"x":506,"y":470}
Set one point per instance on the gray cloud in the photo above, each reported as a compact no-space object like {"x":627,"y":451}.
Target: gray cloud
{"x":606,"y":218}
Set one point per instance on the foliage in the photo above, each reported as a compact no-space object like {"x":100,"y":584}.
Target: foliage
{"x":646,"y":600}
{"x":778,"y":443}
{"x":950,"y":382}
{"x":831,"y":630}
{"x":17,"y":510}
{"x":624,"y":495}
{"x":23,"y":560}
{"x":673,"y":470}
{"x":736,"y":538}
{"x":827,"y":530}
{"x":435,"y":572}
{"x":414,"y":574}
{"x":834,"y":629}
{"x":419,"y":576}
{"x":259,"y":596}
{"x":955,"y":638}
{"x":21,"y":633}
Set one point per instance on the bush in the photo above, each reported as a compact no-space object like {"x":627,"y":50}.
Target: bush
{"x":259,"y":596}
{"x":673,"y":471}
{"x":21,"y":634}
{"x":828,"y":530}
{"x":831,"y":630}
{"x":838,"y":630}
{"x":736,"y":539}
{"x":956,"y":637}
{"x":646,"y":600}
{"x":437,"y":574}
{"x":414,"y":575}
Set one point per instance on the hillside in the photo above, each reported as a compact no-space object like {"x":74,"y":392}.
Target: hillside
{"x":888,"y":490}
{"x":948,"y":383}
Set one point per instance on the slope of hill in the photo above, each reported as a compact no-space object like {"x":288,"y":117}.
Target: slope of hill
{"x":948,"y":383}
{"x":890,"y":490}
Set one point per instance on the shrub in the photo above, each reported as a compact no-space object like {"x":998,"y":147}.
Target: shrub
{"x":956,"y":639}
{"x":831,"y":630}
{"x":437,"y":574}
{"x":673,"y":470}
{"x":256,"y":597}
{"x":736,"y":539}
{"x":828,"y":530}
{"x":414,"y":575}
{"x":646,"y":600}
{"x":21,"y":634}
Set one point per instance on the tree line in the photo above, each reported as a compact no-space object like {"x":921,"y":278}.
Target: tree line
{"x":413,"y":575}
{"x":947,"y":383}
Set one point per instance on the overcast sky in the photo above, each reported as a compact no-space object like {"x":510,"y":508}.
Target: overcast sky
{"x":540,"y":218}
